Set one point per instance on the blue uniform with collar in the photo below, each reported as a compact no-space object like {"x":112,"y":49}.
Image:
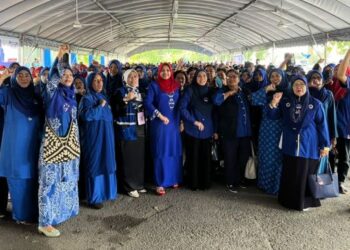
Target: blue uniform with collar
{"x":313,"y":134}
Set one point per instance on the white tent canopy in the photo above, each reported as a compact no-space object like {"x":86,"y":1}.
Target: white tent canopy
{"x":207,"y":26}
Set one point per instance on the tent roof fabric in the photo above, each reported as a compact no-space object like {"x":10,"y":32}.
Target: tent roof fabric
{"x":206,"y":26}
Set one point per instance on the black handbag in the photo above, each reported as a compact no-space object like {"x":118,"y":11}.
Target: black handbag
{"x":324,"y":185}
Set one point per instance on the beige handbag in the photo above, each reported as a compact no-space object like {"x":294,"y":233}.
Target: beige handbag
{"x":250,"y":168}
{"x":61,"y":149}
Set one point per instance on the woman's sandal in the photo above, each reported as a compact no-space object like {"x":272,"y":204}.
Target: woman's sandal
{"x":160,"y":191}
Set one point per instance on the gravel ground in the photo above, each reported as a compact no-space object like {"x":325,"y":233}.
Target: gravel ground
{"x":184,"y":219}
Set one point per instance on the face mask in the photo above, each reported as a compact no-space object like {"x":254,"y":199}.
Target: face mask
{"x":43,"y":79}
{"x":218,"y":82}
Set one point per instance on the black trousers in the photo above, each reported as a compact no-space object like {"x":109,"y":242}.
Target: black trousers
{"x":343,"y":147}
{"x":236,"y":155}
{"x":3,"y":195}
{"x":198,"y":162}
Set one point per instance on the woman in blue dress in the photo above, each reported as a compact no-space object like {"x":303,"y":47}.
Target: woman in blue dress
{"x":97,"y":144}
{"x":59,"y":166}
{"x":269,"y":153}
{"x":20,"y":144}
{"x":162,"y":107}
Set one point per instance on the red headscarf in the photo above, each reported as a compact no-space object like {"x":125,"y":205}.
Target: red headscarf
{"x":170,"y":85}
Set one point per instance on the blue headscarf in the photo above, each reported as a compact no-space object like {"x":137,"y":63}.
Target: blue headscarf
{"x":42,"y":71}
{"x":24,"y":99}
{"x":299,"y":106}
{"x":320,"y":94}
{"x":112,"y":83}
{"x":80,"y":78}
{"x":143,"y":83}
{"x":328,"y":74}
{"x":201,"y":96}
{"x":256,"y":85}
{"x":97,"y":97}
{"x":63,"y":99}
{"x":284,"y":84}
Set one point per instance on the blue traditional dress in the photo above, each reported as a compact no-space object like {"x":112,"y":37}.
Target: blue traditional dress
{"x":165,"y":139}
{"x":97,"y":146}
{"x":20,"y":147}
{"x":58,"y":182}
{"x":269,"y":153}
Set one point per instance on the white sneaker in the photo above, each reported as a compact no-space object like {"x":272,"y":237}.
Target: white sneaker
{"x":134,"y":194}
{"x":142,"y":191}
{"x":306,"y":209}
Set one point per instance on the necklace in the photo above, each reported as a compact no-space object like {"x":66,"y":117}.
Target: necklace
{"x":171,"y":101}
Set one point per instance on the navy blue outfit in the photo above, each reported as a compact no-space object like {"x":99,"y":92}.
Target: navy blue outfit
{"x":130,"y":138}
{"x":234,"y":128}
{"x":196,"y":105}
{"x":114,"y":82}
{"x":97,"y":146}
{"x":305,"y":133}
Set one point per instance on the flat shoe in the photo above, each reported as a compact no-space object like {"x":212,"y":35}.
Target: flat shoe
{"x":134,"y":194}
{"x":49,"y":231}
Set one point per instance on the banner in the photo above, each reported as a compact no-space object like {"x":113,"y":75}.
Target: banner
{"x":9,"y":50}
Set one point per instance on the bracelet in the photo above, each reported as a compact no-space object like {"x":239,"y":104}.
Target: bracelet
{"x":157,"y":113}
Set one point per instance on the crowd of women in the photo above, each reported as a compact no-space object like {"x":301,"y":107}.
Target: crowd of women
{"x":68,"y":130}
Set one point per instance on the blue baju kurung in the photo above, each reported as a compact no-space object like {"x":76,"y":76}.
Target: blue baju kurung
{"x":19,"y":158}
{"x":165,"y":139}
{"x":58,"y":182}
{"x":269,"y":154}
{"x":98,"y":151}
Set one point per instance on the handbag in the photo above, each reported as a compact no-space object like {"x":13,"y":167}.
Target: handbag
{"x":251,"y":166}
{"x":324,"y":185}
{"x":214,"y":151}
{"x":61,"y":149}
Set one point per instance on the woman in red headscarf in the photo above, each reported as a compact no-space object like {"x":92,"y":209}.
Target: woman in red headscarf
{"x":162,"y":108}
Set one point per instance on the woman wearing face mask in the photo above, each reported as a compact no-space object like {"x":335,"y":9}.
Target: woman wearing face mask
{"x":60,"y":150}
{"x":318,"y":91}
{"x":97,"y":144}
{"x":162,"y":107}
{"x":305,"y":139}
{"x":20,"y":144}
{"x":130,"y":128}
{"x":269,"y":153}
{"x":196,"y":109}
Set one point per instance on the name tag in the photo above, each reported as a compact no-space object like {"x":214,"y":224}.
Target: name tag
{"x":140,"y":118}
